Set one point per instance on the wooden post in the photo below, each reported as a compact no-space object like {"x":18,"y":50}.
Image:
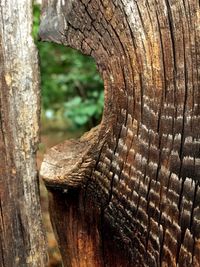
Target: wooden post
{"x":128,"y":192}
{"x":22,"y":241}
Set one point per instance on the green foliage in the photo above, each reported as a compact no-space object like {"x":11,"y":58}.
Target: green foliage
{"x":71,"y":87}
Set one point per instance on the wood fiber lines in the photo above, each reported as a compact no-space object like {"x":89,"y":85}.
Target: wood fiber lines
{"x":144,"y":162}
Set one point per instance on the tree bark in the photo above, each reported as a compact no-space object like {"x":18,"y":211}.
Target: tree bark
{"x":22,"y":241}
{"x":128,"y":192}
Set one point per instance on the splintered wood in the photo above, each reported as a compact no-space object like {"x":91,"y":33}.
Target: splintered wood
{"x":141,"y":169}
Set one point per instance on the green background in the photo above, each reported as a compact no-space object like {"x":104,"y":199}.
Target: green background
{"x":72,"y":90}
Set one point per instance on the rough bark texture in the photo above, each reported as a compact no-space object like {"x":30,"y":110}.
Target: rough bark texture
{"x":134,"y":181}
{"x":22,"y":241}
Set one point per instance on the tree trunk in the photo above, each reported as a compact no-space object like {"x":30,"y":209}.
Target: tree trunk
{"x":22,"y":241}
{"x":128,"y":192}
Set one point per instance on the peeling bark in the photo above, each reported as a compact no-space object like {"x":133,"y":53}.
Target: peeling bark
{"x":22,"y":241}
{"x":140,"y":168}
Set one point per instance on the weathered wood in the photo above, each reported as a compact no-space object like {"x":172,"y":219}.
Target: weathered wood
{"x":22,"y":241}
{"x":140,"y":168}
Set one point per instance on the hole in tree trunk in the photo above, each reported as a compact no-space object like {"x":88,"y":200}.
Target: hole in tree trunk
{"x":72,"y":91}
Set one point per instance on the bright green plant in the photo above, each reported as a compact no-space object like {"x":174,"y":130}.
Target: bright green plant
{"x":71,"y":87}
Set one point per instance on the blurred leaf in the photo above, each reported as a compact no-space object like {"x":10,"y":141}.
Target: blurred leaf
{"x":80,"y":120}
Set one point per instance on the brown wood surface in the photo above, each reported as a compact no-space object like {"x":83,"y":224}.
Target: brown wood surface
{"x":140,"y":168}
{"x":22,"y":241}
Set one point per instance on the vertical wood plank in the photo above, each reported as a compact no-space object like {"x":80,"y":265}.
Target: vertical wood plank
{"x":22,"y":240}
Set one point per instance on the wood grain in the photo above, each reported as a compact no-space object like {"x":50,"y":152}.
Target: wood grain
{"x":142,"y":169}
{"x":22,"y":241}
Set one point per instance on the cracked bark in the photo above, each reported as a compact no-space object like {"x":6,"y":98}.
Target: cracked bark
{"x":22,"y":241}
{"x":127,"y":193}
